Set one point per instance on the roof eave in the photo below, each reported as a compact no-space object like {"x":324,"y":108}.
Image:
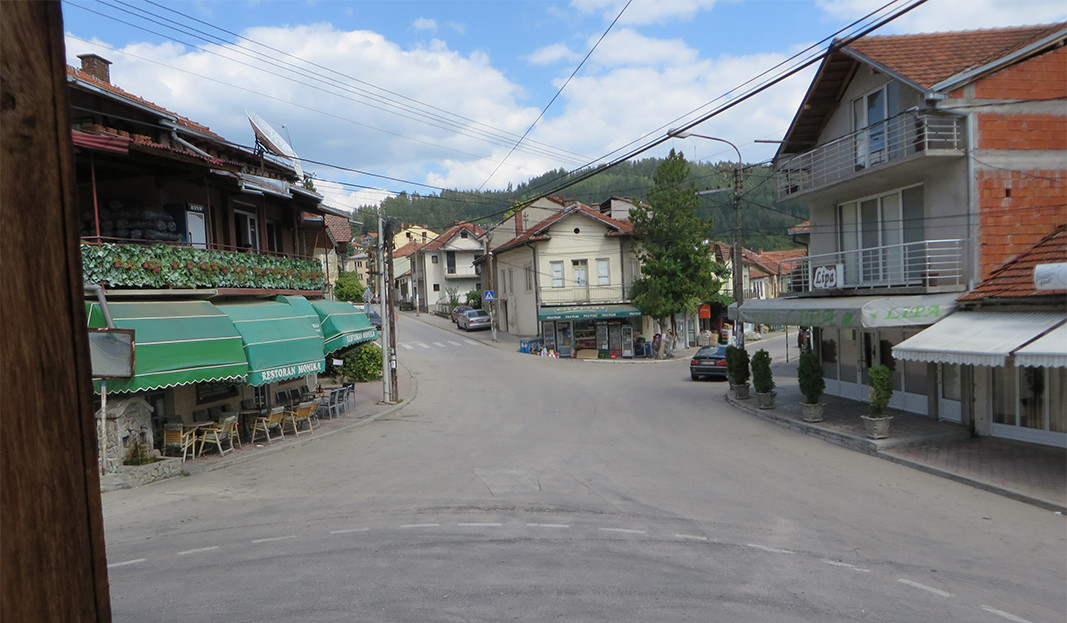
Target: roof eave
{"x":954,"y":82}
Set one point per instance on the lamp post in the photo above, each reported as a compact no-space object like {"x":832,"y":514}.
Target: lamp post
{"x":738,"y":285}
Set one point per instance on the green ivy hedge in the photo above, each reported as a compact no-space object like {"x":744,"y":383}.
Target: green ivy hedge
{"x":165,"y":266}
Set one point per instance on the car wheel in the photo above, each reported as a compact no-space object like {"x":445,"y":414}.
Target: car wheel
{"x":695,"y":377}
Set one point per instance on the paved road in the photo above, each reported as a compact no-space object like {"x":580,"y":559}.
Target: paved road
{"x":516,"y":488}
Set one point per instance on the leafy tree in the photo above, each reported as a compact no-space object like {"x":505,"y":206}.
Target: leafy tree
{"x":474,"y":299}
{"x":349,"y":288}
{"x":677,"y":270}
{"x":363,"y":363}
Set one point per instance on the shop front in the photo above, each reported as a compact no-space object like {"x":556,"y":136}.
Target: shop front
{"x":590,"y":331}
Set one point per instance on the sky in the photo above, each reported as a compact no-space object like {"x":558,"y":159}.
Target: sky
{"x":379,"y":97}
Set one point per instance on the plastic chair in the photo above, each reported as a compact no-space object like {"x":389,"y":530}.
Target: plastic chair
{"x":217,"y":434}
{"x":266,"y":423}
{"x":175,"y":436}
{"x":295,"y":417}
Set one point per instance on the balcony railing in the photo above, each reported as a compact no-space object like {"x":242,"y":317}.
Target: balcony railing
{"x":461,"y":272}
{"x":926,"y":264}
{"x":906,"y":135}
{"x":584,"y":294}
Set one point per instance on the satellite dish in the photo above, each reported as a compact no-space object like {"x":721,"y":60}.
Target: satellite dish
{"x":273,"y":141}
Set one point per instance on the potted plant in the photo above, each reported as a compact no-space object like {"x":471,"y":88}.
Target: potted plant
{"x":737,"y":371}
{"x":812,"y":385}
{"x":881,"y":383}
{"x":762,"y":380}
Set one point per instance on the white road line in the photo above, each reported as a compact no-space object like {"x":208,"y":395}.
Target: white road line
{"x":471,"y":342}
{"x":197,"y":550}
{"x":408,"y":346}
{"x":1006,"y":615}
{"x":846,"y":565}
{"x":690,"y":537}
{"x":426,"y":346}
{"x":439,"y":344}
{"x":420,"y":525}
{"x":547,"y":525}
{"x":773,"y":550}
{"x":930,"y":589}
{"x":275,"y":538}
{"x":454,"y":343}
{"x":349,"y":530}
{"x":125,"y":562}
{"x":480,"y":525}
{"x":623,"y":530}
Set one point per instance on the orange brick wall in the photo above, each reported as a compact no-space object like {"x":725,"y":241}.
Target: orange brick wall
{"x":1041,"y":77}
{"x":1012,"y":222}
{"x":1025,"y":131}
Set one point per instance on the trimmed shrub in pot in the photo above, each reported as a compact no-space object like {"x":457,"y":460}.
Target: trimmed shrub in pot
{"x":762,"y":380}
{"x":881,"y":383}
{"x":737,"y":371}
{"x":812,"y":384}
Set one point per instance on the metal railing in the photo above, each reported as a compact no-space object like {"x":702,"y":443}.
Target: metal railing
{"x":584,"y":294}
{"x":924,"y":264}
{"x":461,"y":272}
{"x":893,"y":140}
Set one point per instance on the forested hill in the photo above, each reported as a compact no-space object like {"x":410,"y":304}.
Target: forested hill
{"x":765,"y":220}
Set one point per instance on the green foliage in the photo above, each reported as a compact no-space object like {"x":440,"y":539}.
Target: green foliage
{"x":677,"y":270}
{"x":810,"y":377}
{"x":166,"y":266}
{"x":348,"y":288}
{"x":474,"y":299}
{"x":737,"y":365}
{"x":881,"y":383}
{"x":363,"y":363}
{"x":762,"y":380}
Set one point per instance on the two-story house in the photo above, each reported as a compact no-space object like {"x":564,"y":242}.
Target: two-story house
{"x":443,"y":268}
{"x":211,"y":253}
{"x":926,"y":161}
{"x":563,"y":270}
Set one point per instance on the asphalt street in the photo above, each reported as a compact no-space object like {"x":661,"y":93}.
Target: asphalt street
{"x":520,"y":488}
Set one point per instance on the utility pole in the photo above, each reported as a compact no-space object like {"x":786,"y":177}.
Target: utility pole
{"x":390,"y":324}
{"x":489,"y":281}
{"x":385,"y":299}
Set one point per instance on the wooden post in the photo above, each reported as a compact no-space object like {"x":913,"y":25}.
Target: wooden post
{"x":53,"y":566}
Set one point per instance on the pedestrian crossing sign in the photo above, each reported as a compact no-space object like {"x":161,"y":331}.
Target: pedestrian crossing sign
{"x":489,"y":296}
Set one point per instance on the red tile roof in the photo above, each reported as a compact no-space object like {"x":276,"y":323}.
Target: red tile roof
{"x":1015,"y":278}
{"x":338,"y":227}
{"x":443,"y":239}
{"x":929,"y":58}
{"x":539,"y":230}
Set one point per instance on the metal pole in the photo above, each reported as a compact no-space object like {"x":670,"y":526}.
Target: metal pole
{"x":387,"y":391}
{"x":390,"y":290}
{"x":489,"y":280}
{"x":739,"y":282}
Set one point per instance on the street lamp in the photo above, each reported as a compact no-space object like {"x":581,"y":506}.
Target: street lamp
{"x":739,"y":327}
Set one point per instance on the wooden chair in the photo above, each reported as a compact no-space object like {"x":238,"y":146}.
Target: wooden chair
{"x":217,"y":434}
{"x":175,"y":436}
{"x":296,"y":416}
{"x":266,"y":423}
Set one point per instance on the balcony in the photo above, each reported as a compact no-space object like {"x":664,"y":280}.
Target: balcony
{"x":907,"y":136}
{"x":929,"y":265}
{"x":583,"y":294}
{"x":462,"y":272}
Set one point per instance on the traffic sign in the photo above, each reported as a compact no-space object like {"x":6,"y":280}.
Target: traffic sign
{"x":489,"y":296}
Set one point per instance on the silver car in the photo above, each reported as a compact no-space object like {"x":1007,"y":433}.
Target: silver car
{"x":474,"y":319}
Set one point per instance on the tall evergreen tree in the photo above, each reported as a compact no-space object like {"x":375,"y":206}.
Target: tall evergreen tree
{"x":677,"y":272}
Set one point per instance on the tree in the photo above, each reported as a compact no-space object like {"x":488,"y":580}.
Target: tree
{"x":349,"y":288}
{"x":677,"y":272}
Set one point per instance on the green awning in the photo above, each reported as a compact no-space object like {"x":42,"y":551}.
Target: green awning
{"x":279,"y":341}
{"x":303,"y":306}
{"x":175,"y":343}
{"x":343,"y":324}
{"x":587,"y":312}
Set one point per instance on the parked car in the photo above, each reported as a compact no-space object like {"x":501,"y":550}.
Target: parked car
{"x":474,"y":319}
{"x":458,"y":311}
{"x":708,"y":361}
{"x":375,"y":319}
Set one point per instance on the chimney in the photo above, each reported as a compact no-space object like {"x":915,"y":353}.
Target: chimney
{"x":97,"y":67}
{"x":518,"y":222}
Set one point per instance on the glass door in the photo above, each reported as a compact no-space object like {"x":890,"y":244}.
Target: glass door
{"x":949,"y":405}
{"x":627,"y":340}
{"x":564,"y":338}
{"x":196,"y":227}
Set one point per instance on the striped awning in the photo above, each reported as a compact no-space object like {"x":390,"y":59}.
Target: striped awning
{"x":1047,"y":351}
{"x":343,"y":325}
{"x":977,"y":338}
{"x":175,"y":343}
{"x":279,"y":341}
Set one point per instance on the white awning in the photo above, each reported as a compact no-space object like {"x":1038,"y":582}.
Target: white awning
{"x":977,"y":338}
{"x":1047,"y":351}
{"x":849,"y":311}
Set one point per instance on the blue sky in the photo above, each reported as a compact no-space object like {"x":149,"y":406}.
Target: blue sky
{"x":436,"y":92}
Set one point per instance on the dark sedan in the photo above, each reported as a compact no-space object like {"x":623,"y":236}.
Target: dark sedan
{"x":709,"y":361}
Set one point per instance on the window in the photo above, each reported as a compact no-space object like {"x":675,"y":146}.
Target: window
{"x":603,"y":272}
{"x":869,"y":114}
{"x":433,"y":258}
{"x":511,"y":280}
{"x":274,"y":240}
{"x":246,"y":229}
{"x":872,"y":234}
{"x":580,"y":270}
{"x":529,"y":277}
{"x":463,"y":234}
{"x":436,"y":287}
{"x":557,"y":274}
{"x":450,"y":262}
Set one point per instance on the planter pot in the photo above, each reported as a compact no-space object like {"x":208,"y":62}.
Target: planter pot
{"x":877,"y":427}
{"x":812,"y":412}
{"x":740,"y":391}
{"x":765,"y":400}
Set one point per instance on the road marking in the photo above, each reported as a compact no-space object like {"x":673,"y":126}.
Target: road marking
{"x":623,"y":530}
{"x":420,"y":525}
{"x":349,"y":530}
{"x":408,"y":346}
{"x":426,"y":346}
{"x":126,"y":562}
{"x":691,"y":537}
{"x":480,"y":525}
{"x":547,"y":525}
{"x":275,"y":538}
{"x":1006,"y":615}
{"x":931,"y":589}
{"x":773,"y":550}
{"x":471,"y":342}
{"x":198,"y":550}
{"x":846,"y":565}
{"x":439,"y":344}
{"x":454,"y":343}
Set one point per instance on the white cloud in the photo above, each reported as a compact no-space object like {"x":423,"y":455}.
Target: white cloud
{"x":649,"y":12}
{"x":552,"y":54}
{"x":423,"y":23}
{"x":944,"y":15}
{"x":627,"y":47}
